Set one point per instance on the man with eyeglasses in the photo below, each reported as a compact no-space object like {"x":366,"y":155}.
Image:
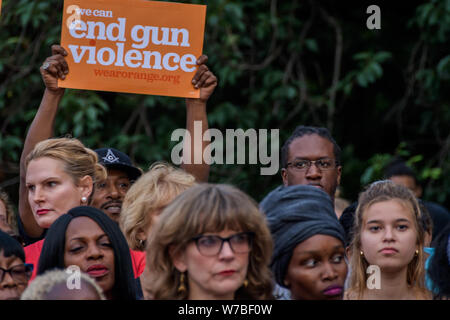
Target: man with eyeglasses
{"x":310,"y":156}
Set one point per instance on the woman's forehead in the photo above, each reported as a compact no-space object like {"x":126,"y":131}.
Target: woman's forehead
{"x":388,"y":211}
{"x":44,"y":168}
{"x":83,"y":226}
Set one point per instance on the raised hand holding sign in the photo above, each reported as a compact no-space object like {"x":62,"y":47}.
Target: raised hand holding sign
{"x":111,"y":47}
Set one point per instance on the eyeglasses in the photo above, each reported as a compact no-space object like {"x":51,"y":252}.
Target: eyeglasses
{"x":321,"y":164}
{"x":212,"y":245}
{"x":20,"y":273}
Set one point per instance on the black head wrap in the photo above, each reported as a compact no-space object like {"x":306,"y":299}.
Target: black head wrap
{"x":294,"y":214}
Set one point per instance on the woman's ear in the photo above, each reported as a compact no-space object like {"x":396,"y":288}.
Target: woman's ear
{"x":178,"y":259}
{"x":85,"y":185}
{"x":141,"y":234}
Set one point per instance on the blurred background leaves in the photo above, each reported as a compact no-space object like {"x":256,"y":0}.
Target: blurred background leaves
{"x":382,"y":93}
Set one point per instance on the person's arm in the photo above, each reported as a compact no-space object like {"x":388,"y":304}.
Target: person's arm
{"x":206,"y":81}
{"x":42,"y":128}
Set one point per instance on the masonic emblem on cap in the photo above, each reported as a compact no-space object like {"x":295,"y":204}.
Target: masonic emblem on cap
{"x":110,"y":157}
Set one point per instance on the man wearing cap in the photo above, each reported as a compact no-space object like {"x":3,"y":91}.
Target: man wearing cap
{"x":109,"y":194}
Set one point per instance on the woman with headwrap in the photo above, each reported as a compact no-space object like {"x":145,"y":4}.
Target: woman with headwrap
{"x":308,"y":257}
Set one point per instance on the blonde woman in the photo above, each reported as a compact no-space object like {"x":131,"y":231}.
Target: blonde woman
{"x":388,"y":236}
{"x":210,"y":243}
{"x":60,"y":175}
{"x":147,"y":198}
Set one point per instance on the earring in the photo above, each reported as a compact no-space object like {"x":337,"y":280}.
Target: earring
{"x":181,"y":287}
{"x":245,"y":283}
{"x":83,"y":199}
{"x":361,"y":253}
{"x":417,"y":252}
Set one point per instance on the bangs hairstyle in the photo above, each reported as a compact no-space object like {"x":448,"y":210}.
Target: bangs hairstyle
{"x":10,"y":246}
{"x":381,"y":191}
{"x":78,"y":161}
{"x":209,"y":208}
{"x":42,"y":285}
{"x":151,"y":192}
{"x":52,"y":255}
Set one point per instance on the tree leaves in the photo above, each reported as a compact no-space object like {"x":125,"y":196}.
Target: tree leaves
{"x":275,"y":65}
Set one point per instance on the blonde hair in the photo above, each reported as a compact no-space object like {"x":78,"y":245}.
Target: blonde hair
{"x":381,"y":191}
{"x":43,"y":284}
{"x":10,"y":214}
{"x":208,"y":208}
{"x":151,"y":192}
{"x":78,"y":161}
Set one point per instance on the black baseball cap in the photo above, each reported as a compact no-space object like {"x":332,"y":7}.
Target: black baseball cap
{"x":112,"y":158}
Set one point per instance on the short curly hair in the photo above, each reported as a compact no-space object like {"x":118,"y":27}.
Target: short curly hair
{"x":43,"y":284}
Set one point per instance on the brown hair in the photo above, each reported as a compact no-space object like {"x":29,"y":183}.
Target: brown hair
{"x":208,"y":208}
{"x":78,"y":160}
{"x":381,"y":191}
{"x":150,"y":193}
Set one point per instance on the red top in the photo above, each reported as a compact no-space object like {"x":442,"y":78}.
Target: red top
{"x":33,"y":252}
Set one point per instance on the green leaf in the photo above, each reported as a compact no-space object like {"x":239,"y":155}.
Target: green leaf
{"x":311,"y":44}
{"x":415,"y":159}
{"x":361,"y":79}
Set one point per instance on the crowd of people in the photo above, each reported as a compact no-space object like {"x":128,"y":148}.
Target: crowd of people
{"x":166,"y":233}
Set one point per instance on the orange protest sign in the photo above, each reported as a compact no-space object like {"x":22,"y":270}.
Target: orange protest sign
{"x":134,"y":46}
{"x":0,"y":6}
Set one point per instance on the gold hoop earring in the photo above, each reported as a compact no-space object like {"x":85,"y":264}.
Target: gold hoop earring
{"x":181,"y":287}
{"x":245,"y":283}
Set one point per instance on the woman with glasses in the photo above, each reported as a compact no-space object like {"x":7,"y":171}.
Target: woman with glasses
{"x":14,"y":273}
{"x":52,"y":285}
{"x":210,"y":243}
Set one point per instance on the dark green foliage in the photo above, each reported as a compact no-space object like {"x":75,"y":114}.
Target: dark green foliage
{"x":279,"y":64}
